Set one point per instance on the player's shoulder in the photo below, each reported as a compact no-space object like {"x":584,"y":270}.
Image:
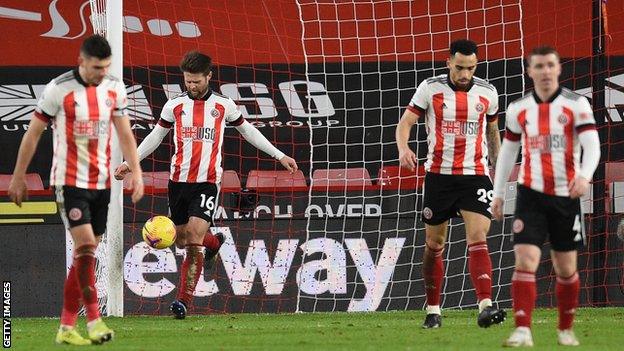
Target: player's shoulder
{"x":64,"y":78}
{"x":179,"y":97}
{"x":112,"y":78}
{"x":440,"y":79}
{"x":222,"y":99}
{"x":571,"y":95}
{"x":483,"y":83}
{"x":520,"y":103}
{"x":523,"y":100}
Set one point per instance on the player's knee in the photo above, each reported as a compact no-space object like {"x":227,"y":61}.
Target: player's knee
{"x":478,"y":235}
{"x":435,"y":243}
{"x":85,"y":249}
{"x":564,"y":269}
{"x":194,"y":235}
{"x":527,"y":262}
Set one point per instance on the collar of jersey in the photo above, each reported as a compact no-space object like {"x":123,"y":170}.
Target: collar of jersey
{"x":450,"y":84}
{"x":551,"y":99}
{"x":205,"y":97}
{"x":79,"y":78}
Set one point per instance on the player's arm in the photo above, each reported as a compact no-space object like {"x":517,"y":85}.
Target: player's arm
{"x":129,"y":151}
{"x":505,"y":162}
{"x":407,"y":158}
{"x":493,"y":140}
{"x":17,"y":186}
{"x":492,"y":135}
{"x":504,"y":166}
{"x":416,"y":109}
{"x":153,"y":139}
{"x":147,"y":146}
{"x":585,"y":127}
{"x":255,"y":138}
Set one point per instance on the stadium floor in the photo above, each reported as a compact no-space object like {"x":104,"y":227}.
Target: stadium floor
{"x":596,"y":328}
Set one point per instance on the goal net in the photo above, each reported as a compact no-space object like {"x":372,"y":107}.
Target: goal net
{"x":326,"y":82}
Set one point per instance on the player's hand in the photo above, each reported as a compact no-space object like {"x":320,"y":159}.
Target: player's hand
{"x":407,"y":159}
{"x":121,"y":171}
{"x":497,"y":208}
{"x":17,"y":190}
{"x":578,"y":187}
{"x":289,"y":163}
{"x":136,"y":185}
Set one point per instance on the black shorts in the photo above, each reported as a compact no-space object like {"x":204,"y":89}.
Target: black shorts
{"x":83,"y":206}
{"x":192,"y":199}
{"x":539,"y":217}
{"x":446,"y":194}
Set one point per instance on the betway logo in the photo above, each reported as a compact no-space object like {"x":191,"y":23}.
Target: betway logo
{"x":273,"y":274}
{"x":131,"y":24}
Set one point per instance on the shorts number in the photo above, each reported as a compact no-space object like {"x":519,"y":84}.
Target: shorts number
{"x":207,"y":203}
{"x":485,"y":196}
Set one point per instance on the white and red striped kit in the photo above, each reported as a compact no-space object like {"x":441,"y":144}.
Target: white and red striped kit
{"x":548,"y":131}
{"x":456,"y":122}
{"x":199,"y":125}
{"x":81,"y":117}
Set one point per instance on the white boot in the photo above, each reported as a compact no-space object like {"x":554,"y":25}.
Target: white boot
{"x":521,"y":336}
{"x":567,"y":338}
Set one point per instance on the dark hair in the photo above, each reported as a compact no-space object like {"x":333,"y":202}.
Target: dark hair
{"x":463,"y":46}
{"x":96,"y":46}
{"x":542,"y":50}
{"x":196,"y":62}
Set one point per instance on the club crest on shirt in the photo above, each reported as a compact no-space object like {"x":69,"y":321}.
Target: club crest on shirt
{"x":563,"y":119}
{"x":109,"y":103}
{"x":479,"y":107}
{"x":427,"y":213}
{"x":517,"y":226}
{"x":75,"y":214}
{"x":215,"y":113}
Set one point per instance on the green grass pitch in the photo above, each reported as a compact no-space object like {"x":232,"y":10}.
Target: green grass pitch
{"x":596,"y":328}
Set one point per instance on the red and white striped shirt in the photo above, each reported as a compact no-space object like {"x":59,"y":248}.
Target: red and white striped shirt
{"x":199,"y":125}
{"x":82,"y":117}
{"x":456,"y":122}
{"x":549,"y":137}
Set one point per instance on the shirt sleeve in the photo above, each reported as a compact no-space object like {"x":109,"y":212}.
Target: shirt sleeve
{"x":420,"y":101}
{"x":121,"y":100}
{"x":513,"y":131}
{"x":232,"y":115}
{"x":492,"y":112}
{"x":49,"y":103}
{"x":584,"y":116}
{"x":167,"y":119}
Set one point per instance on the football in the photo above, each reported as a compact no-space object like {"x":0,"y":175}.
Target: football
{"x":159,"y":232}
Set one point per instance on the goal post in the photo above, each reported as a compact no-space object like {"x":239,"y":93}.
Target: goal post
{"x":106,"y":19}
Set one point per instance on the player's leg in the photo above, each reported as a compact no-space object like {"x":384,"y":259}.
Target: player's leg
{"x":72,"y":210}
{"x":200,"y":210}
{"x":523,"y":293}
{"x":98,"y":331}
{"x":567,"y":291}
{"x":566,"y":237}
{"x":180,"y":236}
{"x":193,"y":263}
{"x":433,"y":271}
{"x":438,"y":207}
{"x":529,"y":229}
{"x":480,"y":267}
{"x":474,"y":204}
